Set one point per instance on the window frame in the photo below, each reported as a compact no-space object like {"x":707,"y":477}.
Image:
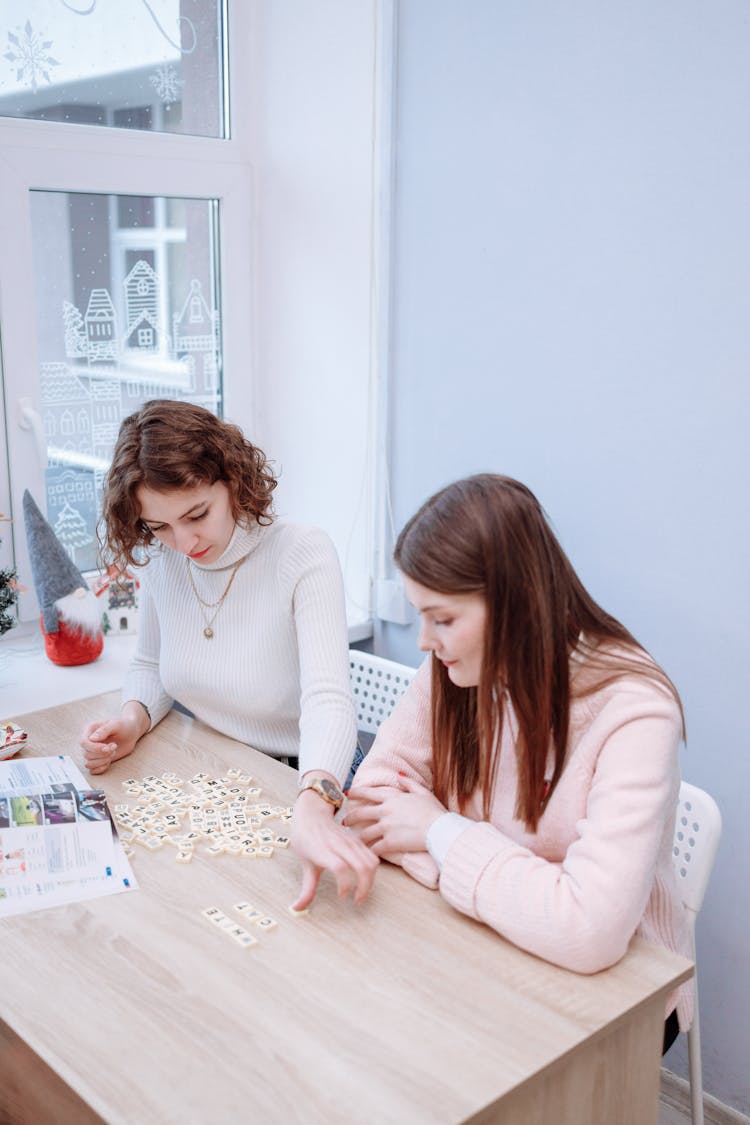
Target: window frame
{"x":60,"y":156}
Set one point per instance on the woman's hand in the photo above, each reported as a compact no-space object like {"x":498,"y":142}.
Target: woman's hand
{"x":322,"y":844}
{"x":105,"y":742}
{"x":393,"y":821}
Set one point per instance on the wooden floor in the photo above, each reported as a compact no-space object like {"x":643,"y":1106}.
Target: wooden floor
{"x":674,"y":1105}
{"x":669,"y":1115}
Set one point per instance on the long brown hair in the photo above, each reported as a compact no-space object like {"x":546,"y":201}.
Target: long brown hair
{"x":489,"y":535}
{"x":169,"y":445}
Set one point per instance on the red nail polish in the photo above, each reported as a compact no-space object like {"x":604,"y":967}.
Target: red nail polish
{"x":401,"y":773}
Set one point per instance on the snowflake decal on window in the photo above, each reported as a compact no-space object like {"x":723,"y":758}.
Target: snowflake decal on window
{"x":29,"y":50}
{"x":167,"y":83}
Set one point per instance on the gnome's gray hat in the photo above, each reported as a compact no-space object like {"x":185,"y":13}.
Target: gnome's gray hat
{"x":55,"y":576}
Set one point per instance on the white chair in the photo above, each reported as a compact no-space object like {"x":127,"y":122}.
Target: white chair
{"x":377,"y":685}
{"x":696,"y":838}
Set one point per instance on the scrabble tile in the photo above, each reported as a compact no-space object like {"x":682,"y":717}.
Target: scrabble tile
{"x":281,"y":842}
{"x":298,"y":913}
{"x":265,"y":851}
{"x":241,"y":907}
{"x":184,"y":857}
{"x":245,"y":940}
{"x":265,"y":923}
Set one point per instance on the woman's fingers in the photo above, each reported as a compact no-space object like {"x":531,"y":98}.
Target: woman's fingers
{"x":353,"y":866}
{"x":310,"y":879}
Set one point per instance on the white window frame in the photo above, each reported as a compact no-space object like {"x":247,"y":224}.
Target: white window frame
{"x":51,"y":156}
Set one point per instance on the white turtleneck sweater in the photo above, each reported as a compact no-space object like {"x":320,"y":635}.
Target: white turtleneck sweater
{"x":275,"y":674}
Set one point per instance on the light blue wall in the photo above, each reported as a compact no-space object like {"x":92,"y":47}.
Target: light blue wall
{"x":572,"y":307}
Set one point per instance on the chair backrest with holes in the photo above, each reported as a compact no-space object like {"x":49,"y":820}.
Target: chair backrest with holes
{"x":697,"y":833}
{"x":377,"y":685}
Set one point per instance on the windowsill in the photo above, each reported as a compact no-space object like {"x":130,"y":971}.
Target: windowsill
{"x":359,"y":629}
{"x":29,"y":681}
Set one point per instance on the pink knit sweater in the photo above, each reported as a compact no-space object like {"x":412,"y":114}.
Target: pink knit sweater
{"x":599,"y":867}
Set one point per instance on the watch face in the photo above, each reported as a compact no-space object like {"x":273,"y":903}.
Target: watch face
{"x":330,"y":789}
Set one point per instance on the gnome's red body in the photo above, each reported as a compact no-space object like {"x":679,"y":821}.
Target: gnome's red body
{"x":71,"y":644}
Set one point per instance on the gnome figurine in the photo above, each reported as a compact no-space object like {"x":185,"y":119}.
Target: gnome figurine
{"x":70,"y":614}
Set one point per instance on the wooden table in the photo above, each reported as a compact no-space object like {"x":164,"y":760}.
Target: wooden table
{"x":132,"y":1008}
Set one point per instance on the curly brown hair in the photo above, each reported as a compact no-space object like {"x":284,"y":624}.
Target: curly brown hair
{"x":168,"y":445}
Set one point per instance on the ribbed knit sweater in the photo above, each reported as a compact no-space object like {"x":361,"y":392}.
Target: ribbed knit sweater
{"x":599,"y":867}
{"x":275,"y":674}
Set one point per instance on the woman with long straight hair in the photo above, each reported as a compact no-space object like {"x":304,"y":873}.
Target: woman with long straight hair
{"x":531,"y":771}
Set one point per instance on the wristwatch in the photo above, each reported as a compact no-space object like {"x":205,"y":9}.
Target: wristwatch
{"x":326,"y":789}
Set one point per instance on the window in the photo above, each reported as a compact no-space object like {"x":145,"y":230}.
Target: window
{"x":109,"y":339}
{"x":139,"y":64}
{"x":125,"y":199}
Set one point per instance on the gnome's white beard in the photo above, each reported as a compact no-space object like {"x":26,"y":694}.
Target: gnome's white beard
{"x":80,"y":610}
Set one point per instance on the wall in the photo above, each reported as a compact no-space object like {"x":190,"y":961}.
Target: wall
{"x":570,"y":306}
{"x":313,"y":88}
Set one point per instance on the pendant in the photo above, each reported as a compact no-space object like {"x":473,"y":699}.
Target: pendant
{"x":208,"y":632}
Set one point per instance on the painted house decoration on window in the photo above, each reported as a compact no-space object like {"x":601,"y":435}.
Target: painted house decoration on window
{"x":119,"y":594}
{"x":114,"y":363}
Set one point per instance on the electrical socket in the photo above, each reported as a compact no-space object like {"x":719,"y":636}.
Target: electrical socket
{"x":392,"y":602}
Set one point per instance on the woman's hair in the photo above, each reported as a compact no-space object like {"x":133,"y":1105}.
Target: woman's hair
{"x":489,"y":535}
{"x":170,"y":445}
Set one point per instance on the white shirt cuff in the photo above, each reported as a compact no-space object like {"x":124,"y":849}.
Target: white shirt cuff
{"x":443,"y":832}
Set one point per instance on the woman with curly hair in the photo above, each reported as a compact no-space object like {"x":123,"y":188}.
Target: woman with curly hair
{"x":242,"y":618}
{"x":531,"y":771}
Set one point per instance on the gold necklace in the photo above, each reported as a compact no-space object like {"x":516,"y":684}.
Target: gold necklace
{"x":208,"y":622}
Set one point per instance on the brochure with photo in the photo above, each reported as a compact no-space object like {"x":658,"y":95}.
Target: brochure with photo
{"x":58,"y":842}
